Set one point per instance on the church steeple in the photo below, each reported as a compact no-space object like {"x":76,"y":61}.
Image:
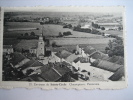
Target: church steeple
{"x":41,"y":46}
{"x":41,"y":37}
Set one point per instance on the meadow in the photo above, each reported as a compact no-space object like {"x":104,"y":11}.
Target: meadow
{"x":14,"y":29}
{"x":48,"y":30}
{"x":74,"y":41}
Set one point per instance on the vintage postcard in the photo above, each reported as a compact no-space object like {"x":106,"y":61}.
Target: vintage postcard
{"x":63,"y":47}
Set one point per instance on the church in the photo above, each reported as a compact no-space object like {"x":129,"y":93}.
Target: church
{"x":39,"y":50}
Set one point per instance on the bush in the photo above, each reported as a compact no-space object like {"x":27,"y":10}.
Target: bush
{"x":67,"y":33}
{"x":102,"y":28}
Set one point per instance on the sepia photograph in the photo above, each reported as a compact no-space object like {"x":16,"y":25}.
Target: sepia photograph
{"x":63,"y":46}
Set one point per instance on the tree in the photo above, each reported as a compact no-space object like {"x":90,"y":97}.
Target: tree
{"x":54,"y":44}
{"x":26,"y":34}
{"x":115,"y":47}
{"x":102,"y":28}
{"x":32,"y":34}
{"x":21,"y":34}
{"x":60,"y":34}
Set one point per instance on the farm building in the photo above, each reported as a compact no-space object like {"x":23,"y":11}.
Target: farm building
{"x":63,"y":54}
{"x":71,"y":58}
{"x":32,"y":65}
{"x":99,"y":55}
{"x":55,"y":72}
{"x":17,"y":60}
{"x":106,"y":65}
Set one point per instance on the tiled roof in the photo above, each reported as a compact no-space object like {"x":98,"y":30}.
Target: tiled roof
{"x":103,"y":64}
{"x":71,"y":58}
{"x":89,"y":49}
{"x":50,"y":75}
{"x":99,"y":55}
{"x":63,"y":54}
{"x":118,"y":74}
{"x":53,"y":72}
{"x":31,"y":63}
{"x":17,"y":57}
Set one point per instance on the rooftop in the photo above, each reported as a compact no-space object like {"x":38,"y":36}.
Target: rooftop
{"x":71,"y":58}
{"x":89,"y":49}
{"x":118,"y":74}
{"x":31,"y":63}
{"x":103,"y":64}
{"x":7,"y":46}
{"x":63,"y":54}
{"x":17,"y":57}
{"x":53,"y":72}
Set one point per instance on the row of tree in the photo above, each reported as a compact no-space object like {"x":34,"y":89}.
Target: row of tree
{"x":28,"y":36}
{"x":86,"y":30}
{"x":97,"y":26}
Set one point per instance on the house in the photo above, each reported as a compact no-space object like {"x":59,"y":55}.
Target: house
{"x":99,"y":55}
{"x":71,"y":58}
{"x":86,"y":71}
{"x":7,"y":49}
{"x":62,"y":55}
{"x":17,"y":60}
{"x":106,"y":65}
{"x":89,"y":49}
{"x":32,"y":65}
{"x":55,"y":72}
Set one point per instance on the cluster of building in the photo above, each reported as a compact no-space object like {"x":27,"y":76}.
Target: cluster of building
{"x":85,"y":64}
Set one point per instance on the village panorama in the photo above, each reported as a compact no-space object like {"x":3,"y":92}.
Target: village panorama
{"x":63,"y":47}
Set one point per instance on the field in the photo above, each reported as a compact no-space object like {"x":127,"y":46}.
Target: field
{"x":26,"y":44}
{"x":113,"y":32}
{"x":74,"y":41}
{"x":15,"y":29}
{"x":48,"y":30}
{"x":70,"y":48}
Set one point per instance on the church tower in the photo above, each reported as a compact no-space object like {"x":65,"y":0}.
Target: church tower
{"x":41,"y":47}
